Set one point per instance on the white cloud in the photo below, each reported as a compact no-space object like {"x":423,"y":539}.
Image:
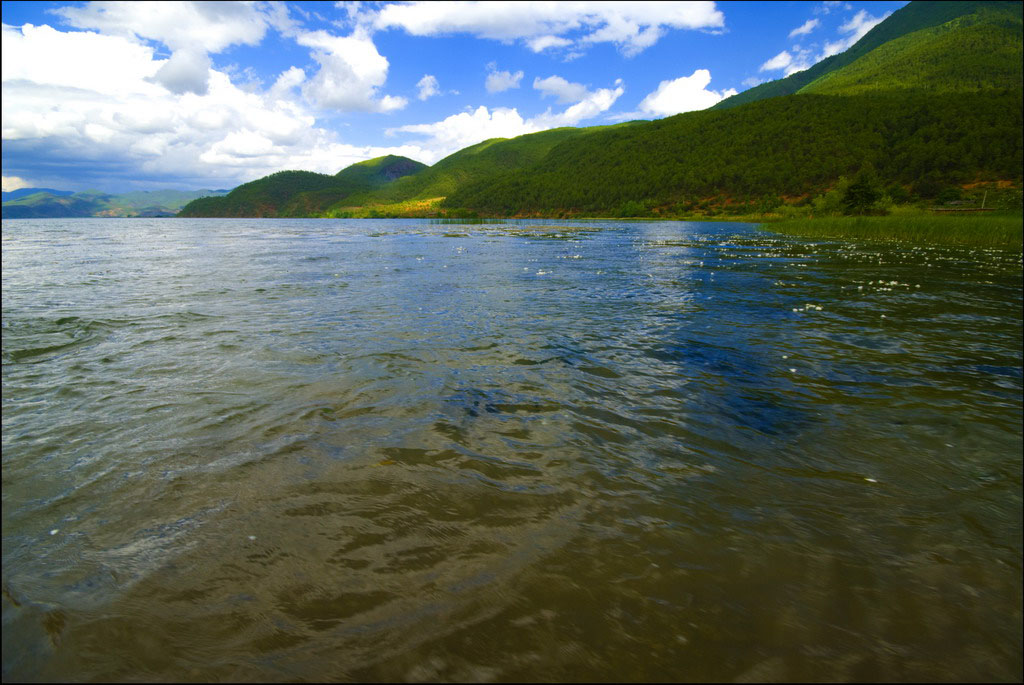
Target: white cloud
{"x":592,"y":104}
{"x":474,"y":126}
{"x":498,"y":81}
{"x":564,"y":91}
{"x":468,"y":128}
{"x":827,"y":6}
{"x":805,"y":28}
{"x":212,"y":26}
{"x":428,"y":87}
{"x":351,"y":70}
{"x":684,"y":94}
{"x":37,"y":53}
{"x":801,"y":58}
{"x":14,"y":183}
{"x":293,"y":77}
{"x":631,"y":26}
{"x":187,"y":71}
{"x":351,"y":73}
{"x":752,"y":81}
{"x":102,"y":120}
{"x":541,"y":43}
{"x":789,"y":63}
{"x":780,"y":61}
{"x":191,"y":30}
{"x":856,"y":27}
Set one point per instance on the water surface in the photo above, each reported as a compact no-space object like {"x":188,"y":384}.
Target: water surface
{"x":391,"y":450}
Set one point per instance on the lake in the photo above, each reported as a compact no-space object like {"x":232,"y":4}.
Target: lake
{"x":284,"y":450}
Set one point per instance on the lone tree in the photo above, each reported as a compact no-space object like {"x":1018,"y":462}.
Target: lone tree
{"x":863,"y":192}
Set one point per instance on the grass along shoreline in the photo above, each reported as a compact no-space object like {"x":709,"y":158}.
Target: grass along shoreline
{"x":1004,"y":229}
{"x":1001,"y":228}
{"x":994,"y":230}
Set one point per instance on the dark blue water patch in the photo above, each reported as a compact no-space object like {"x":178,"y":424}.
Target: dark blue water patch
{"x":766,"y":412}
{"x":738,"y":386}
{"x":693,"y":356}
{"x":1006,"y":371}
{"x":474,"y":401}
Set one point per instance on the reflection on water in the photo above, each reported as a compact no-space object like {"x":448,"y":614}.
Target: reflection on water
{"x":393,"y":450}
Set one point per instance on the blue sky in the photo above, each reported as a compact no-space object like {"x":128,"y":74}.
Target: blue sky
{"x":121,"y":96}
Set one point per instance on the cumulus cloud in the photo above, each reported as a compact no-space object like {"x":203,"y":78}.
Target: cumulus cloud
{"x":103,"y":119}
{"x":428,"y":87}
{"x":542,"y":43}
{"x":468,"y":128}
{"x":790,"y":63}
{"x":289,"y":79}
{"x":856,"y":27}
{"x":351,"y":73}
{"x":498,"y":81}
{"x":589,"y":106}
{"x":191,"y":30}
{"x":780,"y":61}
{"x":564,"y":91}
{"x":805,"y":28}
{"x":36,"y":53}
{"x":473,"y":126}
{"x":631,"y":26}
{"x":213,"y":26}
{"x":187,"y":71}
{"x":14,"y":183}
{"x":684,"y":94}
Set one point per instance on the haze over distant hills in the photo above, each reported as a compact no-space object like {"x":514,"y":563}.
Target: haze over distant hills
{"x":38,"y":203}
{"x":24,"y":192}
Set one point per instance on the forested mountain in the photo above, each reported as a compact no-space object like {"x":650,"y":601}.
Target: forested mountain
{"x":976,"y":52}
{"x":478,"y":161}
{"x":929,"y":98}
{"x":913,"y":17}
{"x":47,"y":203}
{"x":302,"y":193}
{"x":787,"y":146}
{"x":932,"y":107}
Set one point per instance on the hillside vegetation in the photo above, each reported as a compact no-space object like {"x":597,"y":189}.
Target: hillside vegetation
{"x":478,"y":161}
{"x":931,"y":108}
{"x":929,"y":100}
{"x":988,"y":55}
{"x":785,"y":147}
{"x":915,"y":16}
{"x":302,"y":193}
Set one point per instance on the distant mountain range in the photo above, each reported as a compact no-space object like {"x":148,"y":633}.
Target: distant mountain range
{"x":38,"y":203}
{"x":23,"y":192}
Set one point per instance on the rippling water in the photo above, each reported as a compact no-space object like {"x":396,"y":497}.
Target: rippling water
{"x":390,"y":450}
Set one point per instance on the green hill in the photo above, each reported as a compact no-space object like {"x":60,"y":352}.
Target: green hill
{"x":937,"y":106}
{"x":988,"y":56}
{"x":908,"y":19}
{"x":930,"y":97}
{"x":301,"y":193}
{"x":787,"y":146}
{"x":470,"y":164}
